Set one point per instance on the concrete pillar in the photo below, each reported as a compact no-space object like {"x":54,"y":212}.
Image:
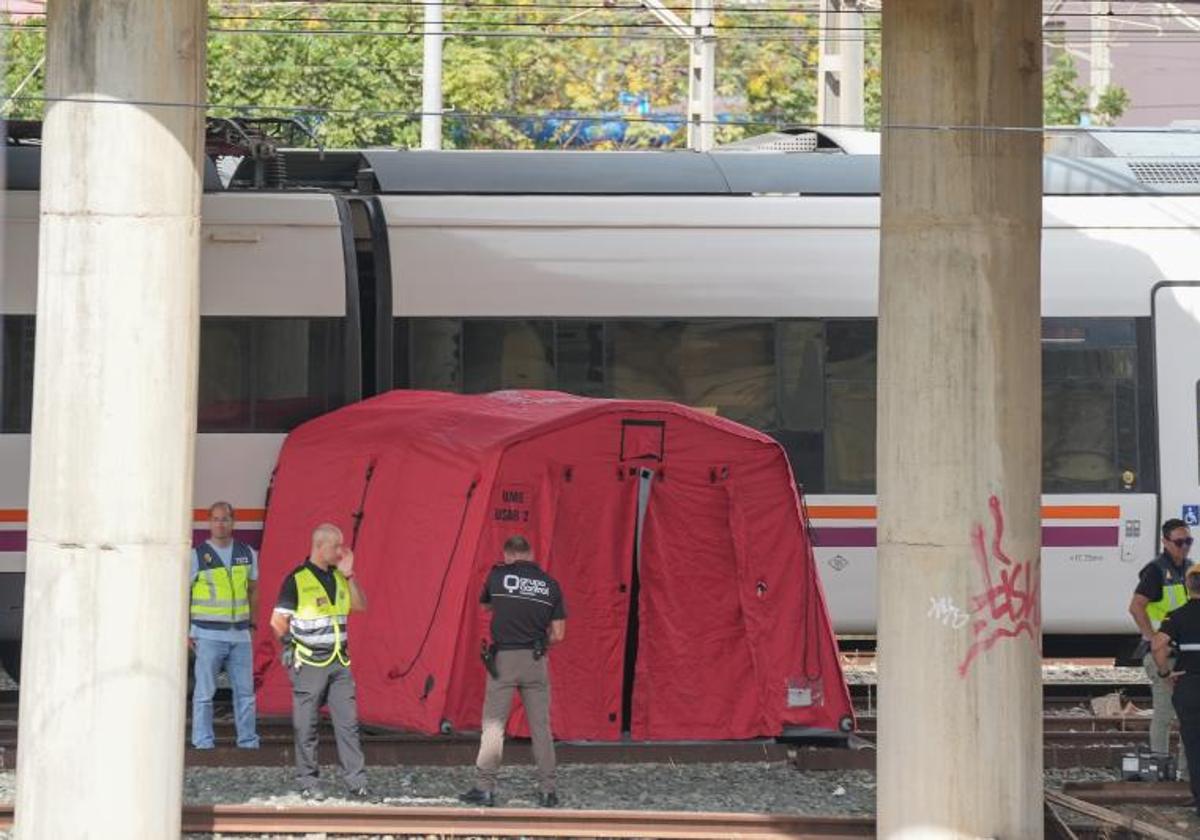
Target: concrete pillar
{"x":959,"y":446}
{"x":102,"y":694}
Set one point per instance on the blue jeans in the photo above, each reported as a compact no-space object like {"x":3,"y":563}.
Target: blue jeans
{"x":238,"y":662}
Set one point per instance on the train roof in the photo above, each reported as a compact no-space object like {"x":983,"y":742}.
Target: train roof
{"x":23,"y":169}
{"x":726,"y":173}
{"x":1144,"y":162}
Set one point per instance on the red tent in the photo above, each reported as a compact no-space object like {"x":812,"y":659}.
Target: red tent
{"x":692,"y":518}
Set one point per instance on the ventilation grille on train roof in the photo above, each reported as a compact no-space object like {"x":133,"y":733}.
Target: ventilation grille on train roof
{"x":1166,"y":172}
{"x":776,"y":141}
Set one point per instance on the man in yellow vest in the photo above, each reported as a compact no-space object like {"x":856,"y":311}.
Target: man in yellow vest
{"x":311,"y":621}
{"x":224,"y":572}
{"x":1161,"y":590}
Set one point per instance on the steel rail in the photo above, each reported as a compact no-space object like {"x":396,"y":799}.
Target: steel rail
{"x":511,"y":822}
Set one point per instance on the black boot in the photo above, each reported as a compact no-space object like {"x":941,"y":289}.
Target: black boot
{"x":548,"y":799}
{"x":475,"y":796}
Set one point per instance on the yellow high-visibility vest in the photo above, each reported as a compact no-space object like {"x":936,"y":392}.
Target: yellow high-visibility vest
{"x":319,"y":627}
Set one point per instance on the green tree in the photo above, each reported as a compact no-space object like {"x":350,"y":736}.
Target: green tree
{"x":1064,"y":100}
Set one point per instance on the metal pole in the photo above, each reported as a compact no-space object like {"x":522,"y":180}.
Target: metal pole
{"x":1100,"y":75}
{"x":840,"y":63}
{"x":114,"y":420}
{"x":959,"y":435}
{"x":431,"y":77}
{"x":702,"y":61}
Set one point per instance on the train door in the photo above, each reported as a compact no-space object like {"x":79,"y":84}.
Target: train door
{"x":368,"y":297}
{"x":1176,"y":316}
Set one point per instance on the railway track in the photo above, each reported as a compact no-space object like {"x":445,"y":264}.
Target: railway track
{"x":510,"y":822}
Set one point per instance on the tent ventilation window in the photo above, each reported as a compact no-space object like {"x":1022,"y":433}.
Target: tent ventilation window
{"x":643,"y":439}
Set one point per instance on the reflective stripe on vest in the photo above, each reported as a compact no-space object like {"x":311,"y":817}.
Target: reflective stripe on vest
{"x":319,"y":628}
{"x":1174,"y":595}
{"x":220,"y":594}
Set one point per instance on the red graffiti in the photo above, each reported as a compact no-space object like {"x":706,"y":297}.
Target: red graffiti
{"x":1007,"y":607}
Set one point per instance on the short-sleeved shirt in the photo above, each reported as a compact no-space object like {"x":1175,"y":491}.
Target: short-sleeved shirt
{"x":1150,"y":578}
{"x":1183,"y":626}
{"x":289,"y":597}
{"x":524,"y":600}
{"x":225,"y":555}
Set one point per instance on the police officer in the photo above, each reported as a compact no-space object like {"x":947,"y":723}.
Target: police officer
{"x":1181,"y":630}
{"x":224,"y":572}
{"x":310,"y":620}
{"x":528,"y":615}
{"x":1160,"y":590}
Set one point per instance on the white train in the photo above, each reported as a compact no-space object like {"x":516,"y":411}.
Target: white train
{"x":743,"y":282}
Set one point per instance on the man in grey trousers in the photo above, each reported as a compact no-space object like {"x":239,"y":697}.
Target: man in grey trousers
{"x":528,"y":615}
{"x":311,"y":620}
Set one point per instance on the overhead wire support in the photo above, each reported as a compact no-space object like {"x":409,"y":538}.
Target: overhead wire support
{"x":431,"y":78}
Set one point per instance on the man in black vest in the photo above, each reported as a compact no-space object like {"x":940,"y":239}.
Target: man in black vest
{"x":528,"y":615}
{"x":1181,"y":630}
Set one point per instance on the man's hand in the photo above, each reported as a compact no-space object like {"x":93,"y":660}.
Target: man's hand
{"x":288,"y":659}
{"x":346,"y":561}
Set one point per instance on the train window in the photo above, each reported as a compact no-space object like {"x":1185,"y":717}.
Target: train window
{"x":507,"y":354}
{"x":723,"y":366}
{"x":850,"y":437}
{"x":224,"y":399}
{"x":16,"y":387}
{"x":850,"y":354}
{"x":268,"y":374}
{"x":1089,"y":405}
{"x":435,"y":354}
{"x":799,"y":355}
{"x":581,"y":358}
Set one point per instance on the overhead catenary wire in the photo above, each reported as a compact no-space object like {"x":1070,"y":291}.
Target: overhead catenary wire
{"x":609,"y":117}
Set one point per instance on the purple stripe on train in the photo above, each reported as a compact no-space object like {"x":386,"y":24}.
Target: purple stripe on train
{"x":1053,"y":536}
{"x":15,"y":540}
{"x":250,"y":536}
{"x":12,"y":540}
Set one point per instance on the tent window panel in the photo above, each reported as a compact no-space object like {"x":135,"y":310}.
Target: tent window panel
{"x":16,"y":387}
{"x":727,"y":367}
{"x":581,"y":357}
{"x":850,"y":437}
{"x":435,"y":354}
{"x":507,"y":354}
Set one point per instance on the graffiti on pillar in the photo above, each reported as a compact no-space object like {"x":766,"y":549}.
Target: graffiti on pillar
{"x":1010,"y":604}
{"x":949,"y":614}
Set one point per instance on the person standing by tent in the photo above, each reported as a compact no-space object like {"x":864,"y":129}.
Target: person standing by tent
{"x":528,"y":615}
{"x":224,"y":575}
{"x":1176,"y":652}
{"x":310,"y":620}
{"x":1160,"y":590}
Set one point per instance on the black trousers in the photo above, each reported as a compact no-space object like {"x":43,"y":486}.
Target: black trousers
{"x":1186,"y":699}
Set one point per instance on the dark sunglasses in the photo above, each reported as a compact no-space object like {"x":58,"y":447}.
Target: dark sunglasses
{"x":1181,"y":542}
